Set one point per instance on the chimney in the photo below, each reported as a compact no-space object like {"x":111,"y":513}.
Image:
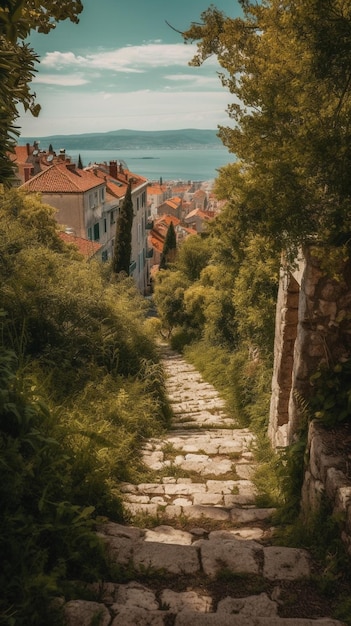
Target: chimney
{"x":28,"y":148}
{"x":71,"y":166}
{"x":113,"y":169}
{"x":27,"y":172}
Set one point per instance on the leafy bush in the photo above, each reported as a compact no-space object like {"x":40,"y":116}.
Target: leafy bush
{"x":330,"y":401}
{"x":81,"y":388}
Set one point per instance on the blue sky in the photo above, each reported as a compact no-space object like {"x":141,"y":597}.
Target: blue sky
{"x":123,"y":67}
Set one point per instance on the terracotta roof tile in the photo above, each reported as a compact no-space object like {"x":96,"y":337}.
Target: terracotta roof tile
{"x":86,"y":247}
{"x":62,"y":178}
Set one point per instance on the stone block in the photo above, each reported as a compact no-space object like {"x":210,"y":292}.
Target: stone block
{"x":127,"y":616}
{"x":175,"y":559}
{"x":186,"y":601}
{"x":184,"y":489}
{"x":222,"y":552}
{"x":220,"y":486}
{"x":285,"y":563}
{"x":247,"y":516}
{"x":84,"y":613}
{"x":208,"y":498}
{"x":335,"y":480}
{"x":253,"y":606}
{"x":210,"y":512}
{"x":135,"y":595}
{"x":168,"y":534}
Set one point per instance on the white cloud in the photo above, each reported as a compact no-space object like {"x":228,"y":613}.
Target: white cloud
{"x":127,"y":59}
{"x":64,"y":80}
{"x":195,"y":80}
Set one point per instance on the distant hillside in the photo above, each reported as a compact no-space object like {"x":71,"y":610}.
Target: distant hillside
{"x":131,"y":139}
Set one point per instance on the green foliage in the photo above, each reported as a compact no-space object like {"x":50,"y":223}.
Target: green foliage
{"x":169,"y":298}
{"x":169,"y":248}
{"x":330,"y":401}
{"x":255,"y":294}
{"x":290,"y":112}
{"x":81,"y":388}
{"x":123,"y":239}
{"x":193,"y":256}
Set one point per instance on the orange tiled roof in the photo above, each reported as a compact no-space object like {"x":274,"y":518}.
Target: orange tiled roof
{"x":204,"y":215}
{"x":173,"y":203}
{"x":117,"y":184}
{"x":156,"y":189}
{"x":166,"y":220}
{"x":86,"y":247}
{"x":20,"y":155}
{"x":62,"y":178}
{"x":157,"y":241}
{"x":200,"y":193}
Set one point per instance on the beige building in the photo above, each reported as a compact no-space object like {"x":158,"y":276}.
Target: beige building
{"x":88,"y":201}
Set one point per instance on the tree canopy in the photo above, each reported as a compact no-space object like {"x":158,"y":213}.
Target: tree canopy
{"x":169,"y":247}
{"x":287,"y":64}
{"x":123,"y":239}
{"x":18,"y":59}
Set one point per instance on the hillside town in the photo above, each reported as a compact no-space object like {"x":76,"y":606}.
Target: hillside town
{"x":88,"y":199}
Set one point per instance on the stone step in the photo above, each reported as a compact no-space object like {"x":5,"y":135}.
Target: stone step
{"x":178,"y":552}
{"x":135,"y":605}
{"x":185,"y":572}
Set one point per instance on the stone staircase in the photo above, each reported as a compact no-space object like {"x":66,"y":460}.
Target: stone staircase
{"x":197,"y":546}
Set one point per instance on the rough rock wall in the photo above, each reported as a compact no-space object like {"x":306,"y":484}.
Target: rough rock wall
{"x":328,"y":476}
{"x":313,"y":325}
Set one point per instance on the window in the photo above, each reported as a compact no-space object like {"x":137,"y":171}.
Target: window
{"x":138,"y":203}
{"x":105,"y":225}
{"x":90,"y":234}
{"x":112,"y":217}
{"x":102,"y":194}
{"x":96,"y":232}
{"x":139,"y":233}
{"x":104,"y":256}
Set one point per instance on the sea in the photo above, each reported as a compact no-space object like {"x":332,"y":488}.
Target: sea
{"x":198,"y":164}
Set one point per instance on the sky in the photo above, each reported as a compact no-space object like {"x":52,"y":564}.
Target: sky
{"x":122,"y":66}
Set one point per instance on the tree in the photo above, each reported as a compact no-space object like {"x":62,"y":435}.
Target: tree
{"x":193,"y":256}
{"x":80,"y":163}
{"x":123,"y":239}
{"x":169,"y":248}
{"x":287,"y":64}
{"x":17,"y":68}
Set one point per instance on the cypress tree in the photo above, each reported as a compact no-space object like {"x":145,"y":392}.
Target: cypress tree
{"x":123,"y":238}
{"x":80,"y":163}
{"x":169,"y":248}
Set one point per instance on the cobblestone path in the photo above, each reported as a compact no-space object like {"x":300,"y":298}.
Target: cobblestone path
{"x":206,"y":560}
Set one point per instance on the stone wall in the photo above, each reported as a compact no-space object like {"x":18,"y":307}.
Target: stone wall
{"x":328,"y":475}
{"x":313,"y":325}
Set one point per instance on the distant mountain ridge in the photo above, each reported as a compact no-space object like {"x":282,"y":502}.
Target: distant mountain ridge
{"x":125,"y":139}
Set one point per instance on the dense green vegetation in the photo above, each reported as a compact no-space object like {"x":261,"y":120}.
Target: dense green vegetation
{"x":123,"y":239}
{"x":217,"y":302}
{"x":287,"y":67}
{"x":81,"y":387}
{"x":169,"y":247}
